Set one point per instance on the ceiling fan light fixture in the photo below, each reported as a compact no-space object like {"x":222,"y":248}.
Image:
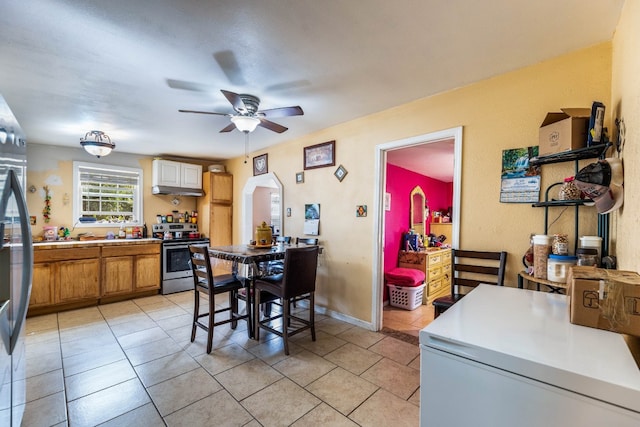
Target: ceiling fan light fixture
{"x":245,"y":123}
{"x":97,"y":143}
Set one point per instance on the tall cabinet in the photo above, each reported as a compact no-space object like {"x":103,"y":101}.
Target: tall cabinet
{"x":215,"y":208}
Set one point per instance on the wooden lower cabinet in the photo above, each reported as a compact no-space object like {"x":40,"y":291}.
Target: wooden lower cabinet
{"x":147,"y":272}
{"x":64,"y":276}
{"x":130,"y":269}
{"x":68,"y":278}
{"x":43,"y":287}
{"x":78,"y":280}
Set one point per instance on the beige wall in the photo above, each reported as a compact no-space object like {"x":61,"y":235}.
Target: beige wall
{"x":499,"y":113}
{"x":625,"y":99}
{"x":53,"y":166}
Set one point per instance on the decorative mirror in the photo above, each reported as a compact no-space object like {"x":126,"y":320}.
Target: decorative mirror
{"x":417,"y":214}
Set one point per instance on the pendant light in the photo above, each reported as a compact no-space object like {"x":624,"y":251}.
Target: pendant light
{"x":97,"y":143}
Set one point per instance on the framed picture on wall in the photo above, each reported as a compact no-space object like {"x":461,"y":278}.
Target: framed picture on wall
{"x":260,"y":165}
{"x":320,"y":155}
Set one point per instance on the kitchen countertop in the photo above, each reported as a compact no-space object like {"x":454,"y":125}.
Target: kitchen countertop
{"x":66,"y":244}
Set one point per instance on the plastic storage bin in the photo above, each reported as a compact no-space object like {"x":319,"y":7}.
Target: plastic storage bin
{"x":408,"y":298}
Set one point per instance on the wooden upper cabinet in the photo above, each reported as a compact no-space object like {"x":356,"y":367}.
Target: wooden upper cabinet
{"x":215,"y":208}
{"x":220,"y":187}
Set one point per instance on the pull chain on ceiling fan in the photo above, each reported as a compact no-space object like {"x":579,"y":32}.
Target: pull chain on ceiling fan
{"x":248,"y":115}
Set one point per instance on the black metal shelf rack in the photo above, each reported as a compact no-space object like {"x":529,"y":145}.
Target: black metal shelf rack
{"x":592,"y":152}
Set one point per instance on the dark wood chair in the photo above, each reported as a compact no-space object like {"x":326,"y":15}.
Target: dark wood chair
{"x":309,"y":241}
{"x":468,"y":270}
{"x":204,"y":281}
{"x":297,"y":280}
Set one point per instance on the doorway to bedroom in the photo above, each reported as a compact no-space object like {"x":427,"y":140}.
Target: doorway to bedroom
{"x":430,"y":162}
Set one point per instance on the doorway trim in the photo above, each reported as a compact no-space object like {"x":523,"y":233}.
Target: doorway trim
{"x":381,"y":181}
{"x":265,"y":180}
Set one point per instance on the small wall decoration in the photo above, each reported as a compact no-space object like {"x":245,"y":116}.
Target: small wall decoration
{"x":361,"y":211}
{"x":311,"y":218}
{"x":387,"y":202}
{"x":260,"y":165}
{"x":299,"y":177}
{"x":340,"y":173}
{"x":320,"y":155}
{"x":46,"y":211}
{"x":32,"y":220}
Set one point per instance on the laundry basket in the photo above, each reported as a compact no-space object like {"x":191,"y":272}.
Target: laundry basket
{"x":406,"y":286}
{"x":408,"y":298}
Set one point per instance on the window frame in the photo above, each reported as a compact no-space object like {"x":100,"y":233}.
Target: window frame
{"x":138,"y":213}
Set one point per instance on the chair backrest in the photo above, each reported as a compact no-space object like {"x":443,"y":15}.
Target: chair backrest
{"x":470,"y":268}
{"x":310,"y":241}
{"x":300,"y":267}
{"x":201,"y":267}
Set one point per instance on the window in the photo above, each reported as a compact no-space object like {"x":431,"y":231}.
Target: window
{"x":110,"y":194}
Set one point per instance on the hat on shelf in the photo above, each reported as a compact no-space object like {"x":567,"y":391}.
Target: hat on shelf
{"x":602,"y":182}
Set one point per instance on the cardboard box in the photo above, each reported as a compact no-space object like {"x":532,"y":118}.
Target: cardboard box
{"x":605,"y":299}
{"x":564,"y":131}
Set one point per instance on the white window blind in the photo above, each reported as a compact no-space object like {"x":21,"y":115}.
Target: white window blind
{"x":110,"y":194}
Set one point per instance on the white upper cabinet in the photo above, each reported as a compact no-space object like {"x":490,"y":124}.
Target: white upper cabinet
{"x":191,"y":176}
{"x":169,"y":175}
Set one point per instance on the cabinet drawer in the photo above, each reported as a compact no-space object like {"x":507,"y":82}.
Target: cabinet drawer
{"x":435,"y":286}
{"x":446,"y":257}
{"x":435,"y":259}
{"x":434,"y":272}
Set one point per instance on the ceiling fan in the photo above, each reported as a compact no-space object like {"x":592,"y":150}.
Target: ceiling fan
{"x":247,"y":115}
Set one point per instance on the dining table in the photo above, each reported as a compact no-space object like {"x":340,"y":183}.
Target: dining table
{"x":256,"y":258}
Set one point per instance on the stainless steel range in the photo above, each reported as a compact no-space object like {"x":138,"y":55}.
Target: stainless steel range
{"x":176,"y":266}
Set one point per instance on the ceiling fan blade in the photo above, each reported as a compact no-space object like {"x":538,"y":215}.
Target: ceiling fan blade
{"x":186,"y":85}
{"x":236,"y":101}
{"x":229,"y":65}
{"x":282,"y":112}
{"x":272,"y":126}
{"x":228,"y":128}
{"x":204,"y":112}
{"x":288,"y":85}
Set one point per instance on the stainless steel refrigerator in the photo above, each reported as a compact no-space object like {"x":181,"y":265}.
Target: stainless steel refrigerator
{"x":16,"y":268}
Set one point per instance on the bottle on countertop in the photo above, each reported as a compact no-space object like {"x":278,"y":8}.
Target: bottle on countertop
{"x":144,"y":231}
{"x":121,"y":232}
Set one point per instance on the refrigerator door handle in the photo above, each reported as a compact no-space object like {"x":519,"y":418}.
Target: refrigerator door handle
{"x":13,"y":185}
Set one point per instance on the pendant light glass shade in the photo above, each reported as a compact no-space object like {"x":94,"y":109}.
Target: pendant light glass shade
{"x":97,"y":143}
{"x":245,"y":123}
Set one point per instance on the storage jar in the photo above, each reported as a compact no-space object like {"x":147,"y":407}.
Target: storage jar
{"x":541,"y":250}
{"x":593,"y":242}
{"x":558,"y":267}
{"x":587,"y":256}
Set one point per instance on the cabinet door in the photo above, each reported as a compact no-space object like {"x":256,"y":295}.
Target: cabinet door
{"x":191,"y":176}
{"x":166,"y":172}
{"x":220,"y":224}
{"x":221,"y":188}
{"x":78,"y":279}
{"x":147,"y":272}
{"x":43,"y":285}
{"x":117,"y":276}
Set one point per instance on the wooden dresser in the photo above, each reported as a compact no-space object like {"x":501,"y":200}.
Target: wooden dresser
{"x":436,"y":265}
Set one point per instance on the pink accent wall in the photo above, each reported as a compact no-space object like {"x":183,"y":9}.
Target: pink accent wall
{"x":400,"y":182}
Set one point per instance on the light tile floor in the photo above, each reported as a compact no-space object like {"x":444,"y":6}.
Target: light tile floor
{"x":132,"y":363}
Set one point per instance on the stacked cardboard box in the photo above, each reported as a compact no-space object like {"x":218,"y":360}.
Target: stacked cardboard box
{"x":605,"y":299}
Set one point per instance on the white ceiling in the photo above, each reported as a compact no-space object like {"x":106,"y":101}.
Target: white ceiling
{"x":126,"y":66}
